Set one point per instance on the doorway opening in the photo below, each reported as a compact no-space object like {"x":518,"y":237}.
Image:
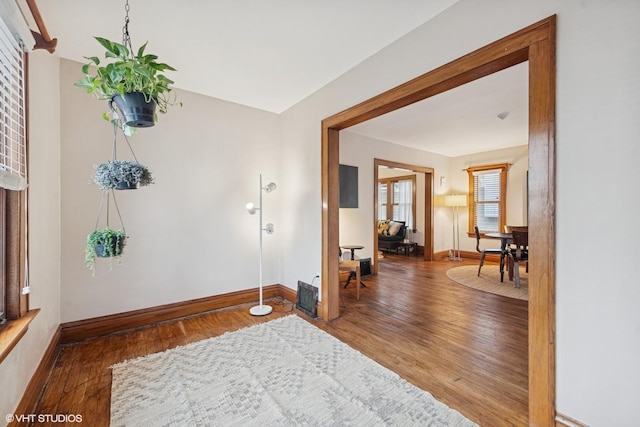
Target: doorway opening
{"x":425,"y":188}
{"x":535,"y":44}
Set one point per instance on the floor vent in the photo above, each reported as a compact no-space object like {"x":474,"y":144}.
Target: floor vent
{"x":307,"y":299}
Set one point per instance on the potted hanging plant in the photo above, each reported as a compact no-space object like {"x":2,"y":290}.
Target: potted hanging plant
{"x":105,"y":243}
{"x":122,"y":175}
{"x":135,"y":83}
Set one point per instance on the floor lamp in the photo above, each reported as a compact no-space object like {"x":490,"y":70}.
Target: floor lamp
{"x":261,"y":310}
{"x":456,"y":201}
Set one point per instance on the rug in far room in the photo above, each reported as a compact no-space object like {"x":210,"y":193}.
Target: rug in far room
{"x":489,"y":280}
{"x":285,"y":372}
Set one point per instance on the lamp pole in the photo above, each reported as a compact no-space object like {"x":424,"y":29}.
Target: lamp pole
{"x":455,"y":201}
{"x":261,"y":309}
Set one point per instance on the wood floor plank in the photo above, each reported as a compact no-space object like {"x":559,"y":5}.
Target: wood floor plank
{"x":466,"y":347}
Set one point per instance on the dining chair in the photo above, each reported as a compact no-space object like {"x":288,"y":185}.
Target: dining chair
{"x":518,"y":252}
{"x":510,"y":228}
{"x":484,"y":252}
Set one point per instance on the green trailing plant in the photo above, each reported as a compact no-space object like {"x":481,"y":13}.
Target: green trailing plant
{"x":108,"y":175}
{"x":126,"y":74}
{"x":104,"y":243}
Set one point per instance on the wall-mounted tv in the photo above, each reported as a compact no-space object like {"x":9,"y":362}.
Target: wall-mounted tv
{"x":348,"y":186}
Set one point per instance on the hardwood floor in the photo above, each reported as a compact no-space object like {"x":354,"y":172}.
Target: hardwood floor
{"x":466,"y":347}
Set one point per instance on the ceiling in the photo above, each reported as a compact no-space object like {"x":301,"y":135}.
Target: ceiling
{"x":272,"y":54}
{"x":267,"y":54}
{"x":463,"y":120}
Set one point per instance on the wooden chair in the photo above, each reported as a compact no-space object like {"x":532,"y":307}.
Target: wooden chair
{"x":484,"y":252}
{"x":510,"y":229}
{"x":353,"y":267}
{"x":519,"y":252}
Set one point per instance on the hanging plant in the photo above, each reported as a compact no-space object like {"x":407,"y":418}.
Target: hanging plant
{"x":129,"y":74}
{"x":135,"y":83}
{"x":122,"y":175}
{"x":105,"y":243}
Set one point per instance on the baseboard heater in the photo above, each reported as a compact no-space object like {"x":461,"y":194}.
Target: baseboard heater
{"x":307,"y":299}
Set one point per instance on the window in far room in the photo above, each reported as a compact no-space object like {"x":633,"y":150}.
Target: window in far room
{"x":488,"y":195}
{"x":13,"y":176}
{"x":397,"y":199}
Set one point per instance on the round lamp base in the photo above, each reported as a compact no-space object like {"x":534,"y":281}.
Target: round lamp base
{"x":260,"y":310}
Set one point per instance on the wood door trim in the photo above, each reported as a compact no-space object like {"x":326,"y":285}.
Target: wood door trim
{"x":428,"y":204}
{"x":537,"y":45}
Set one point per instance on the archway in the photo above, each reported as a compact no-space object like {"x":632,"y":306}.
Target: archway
{"x":535,"y":44}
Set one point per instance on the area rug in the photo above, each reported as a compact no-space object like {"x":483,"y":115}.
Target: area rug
{"x":285,"y":372}
{"x":489,"y":280}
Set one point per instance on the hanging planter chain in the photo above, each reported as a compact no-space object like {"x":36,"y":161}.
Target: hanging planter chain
{"x":115,"y":202}
{"x":115,"y":134}
{"x":126,"y":38}
{"x":112,"y":191}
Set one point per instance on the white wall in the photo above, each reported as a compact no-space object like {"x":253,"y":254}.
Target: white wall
{"x":598,"y":299}
{"x":518,"y":159}
{"x":358,"y":150}
{"x":598,"y":321}
{"x":356,"y":225}
{"x":44,"y":230}
{"x":190,"y":235}
{"x":225,"y":145}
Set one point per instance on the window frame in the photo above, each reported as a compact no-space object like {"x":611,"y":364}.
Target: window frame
{"x":502,"y":203}
{"x":389,"y":202}
{"x":13,"y":230}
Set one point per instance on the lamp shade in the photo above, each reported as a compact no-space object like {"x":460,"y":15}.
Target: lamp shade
{"x":455,"y":200}
{"x":251,"y":208}
{"x":269,"y":187}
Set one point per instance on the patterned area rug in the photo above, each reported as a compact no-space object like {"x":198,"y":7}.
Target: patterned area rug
{"x":285,"y":372}
{"x":489,"y":280}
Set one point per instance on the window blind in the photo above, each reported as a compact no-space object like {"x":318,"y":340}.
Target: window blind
{"x":382,"y":201}
{"x":487,"y":197}
{"x":13,"y":152}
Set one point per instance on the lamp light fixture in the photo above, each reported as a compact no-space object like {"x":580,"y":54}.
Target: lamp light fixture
{"x":261,"y":309}
{"x":455,"y":201}
{"x":251,"y":208}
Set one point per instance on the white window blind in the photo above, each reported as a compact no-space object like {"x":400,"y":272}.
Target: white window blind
{"x":13,"y":153}
{"x":396,"y":199}
{"x":382,"y":201}
{"x":402,"y":202}
{"x":487,"y":199}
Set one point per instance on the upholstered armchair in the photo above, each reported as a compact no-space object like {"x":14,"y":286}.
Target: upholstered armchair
{"x":391,"y":234}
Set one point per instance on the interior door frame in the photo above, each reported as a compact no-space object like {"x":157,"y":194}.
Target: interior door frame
{"x":537,"y":45}
{"x":428,"y":204}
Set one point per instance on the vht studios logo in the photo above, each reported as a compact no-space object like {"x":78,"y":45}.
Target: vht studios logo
{"x":44,"y":418}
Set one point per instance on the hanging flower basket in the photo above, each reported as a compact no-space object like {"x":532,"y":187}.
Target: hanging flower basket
{"x":134,"y":82}
{"x":105,"y":243}
{"x":122,"y":175}
{"x":137,"y":109}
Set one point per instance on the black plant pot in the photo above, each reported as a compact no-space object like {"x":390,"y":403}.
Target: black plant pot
{"x":124,"y":185}
{"x":101,"y":249}
{"x":136,"y":111}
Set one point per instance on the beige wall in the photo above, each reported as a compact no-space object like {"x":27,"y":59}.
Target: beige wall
{"x":598,"y":321}
{"x":190,"y":235}
{"x":44,"y":229}
{"x":176,"y":251}
{"x":518,"y":159}
{"x":356,"y":225}
{"x":358,"y":150}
